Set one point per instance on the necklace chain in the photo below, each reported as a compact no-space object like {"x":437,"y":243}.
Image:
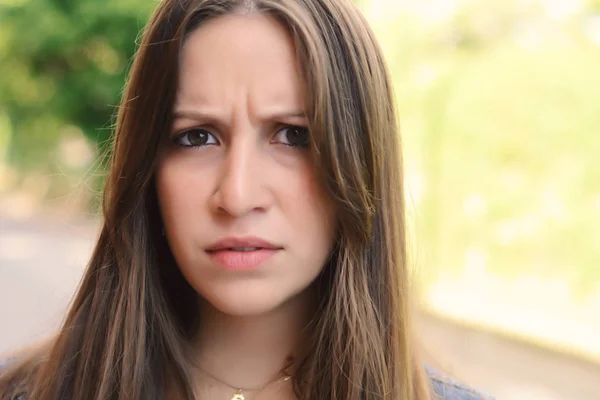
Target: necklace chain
{"x":239,"y":392}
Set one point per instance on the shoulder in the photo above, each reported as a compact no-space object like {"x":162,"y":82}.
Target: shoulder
{"x":447,"y":388}
{"x":4,"y":363}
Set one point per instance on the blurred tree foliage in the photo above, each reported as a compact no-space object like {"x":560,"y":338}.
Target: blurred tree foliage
{"x":63,"y":63}
{"x":500,"y":117}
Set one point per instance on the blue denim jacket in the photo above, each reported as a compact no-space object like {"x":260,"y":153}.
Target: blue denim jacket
{"x":444,"y":388}
{"x":447,"y":388}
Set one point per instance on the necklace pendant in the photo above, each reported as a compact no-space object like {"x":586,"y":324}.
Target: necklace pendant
{"x":238,"y":395}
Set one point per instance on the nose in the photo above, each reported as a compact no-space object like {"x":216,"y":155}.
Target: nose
{"x":241,"y":182}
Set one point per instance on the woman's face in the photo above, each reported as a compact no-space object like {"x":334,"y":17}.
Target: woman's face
{"x":246,"y":221}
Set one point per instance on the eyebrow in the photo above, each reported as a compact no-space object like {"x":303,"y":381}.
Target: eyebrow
{"x":202,"y":115}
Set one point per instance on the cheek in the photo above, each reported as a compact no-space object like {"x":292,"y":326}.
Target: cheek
{"x":167,"y":189}
{"x":177,"y":193}
{"x":313,"y":212}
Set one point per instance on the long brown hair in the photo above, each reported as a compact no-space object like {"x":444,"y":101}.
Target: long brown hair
{"x":126,"y":333}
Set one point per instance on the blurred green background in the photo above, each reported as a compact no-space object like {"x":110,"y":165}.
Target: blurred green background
{"x":499,"y":106}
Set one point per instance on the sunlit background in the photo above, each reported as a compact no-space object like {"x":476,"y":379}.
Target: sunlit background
{"x":499,"y":104}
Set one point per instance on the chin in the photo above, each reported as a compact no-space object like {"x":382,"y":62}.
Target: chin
{"x":244,"y":309}
{"x":248,"y":299}
{"x":246,"y":303}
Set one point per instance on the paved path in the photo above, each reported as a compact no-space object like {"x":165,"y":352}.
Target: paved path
{"x":41,"y":263}
{"x":508,"y":369}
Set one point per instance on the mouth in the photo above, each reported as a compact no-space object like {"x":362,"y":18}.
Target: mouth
{"x":241,"y":258}
{"x":242,"y":253}
{"x":243,"y":249}
{"x":244,"y":244}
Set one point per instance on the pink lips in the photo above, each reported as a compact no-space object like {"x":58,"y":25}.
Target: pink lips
{"x":240,"y":254}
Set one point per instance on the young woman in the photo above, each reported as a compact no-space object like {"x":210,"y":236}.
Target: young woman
{"x":253,"y":242}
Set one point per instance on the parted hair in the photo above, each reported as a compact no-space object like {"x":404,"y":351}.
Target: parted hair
{"x":127,"y":331}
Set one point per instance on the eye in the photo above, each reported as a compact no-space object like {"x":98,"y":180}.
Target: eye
{"x":294,"y":136}
{"x":195,"y":137}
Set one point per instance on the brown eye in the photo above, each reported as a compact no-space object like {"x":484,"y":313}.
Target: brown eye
{"x":294,"y":136}
{"x":195,"y":138}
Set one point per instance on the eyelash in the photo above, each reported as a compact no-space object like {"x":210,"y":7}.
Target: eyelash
{"x":180,"y":136}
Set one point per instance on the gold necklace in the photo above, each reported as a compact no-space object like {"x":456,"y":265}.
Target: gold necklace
{"x":239,"y":392}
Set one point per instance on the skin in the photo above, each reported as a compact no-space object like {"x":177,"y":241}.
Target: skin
{"x":242,"y":96}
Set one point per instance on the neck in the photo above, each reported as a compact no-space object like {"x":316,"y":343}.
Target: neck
{"x":249,"y":351}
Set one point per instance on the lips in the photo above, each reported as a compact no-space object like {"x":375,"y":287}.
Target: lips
{"x":242,"y":254}
{"x":248,"y":243}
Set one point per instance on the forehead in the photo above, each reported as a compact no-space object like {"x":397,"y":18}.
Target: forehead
{"x":251,"y":55}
